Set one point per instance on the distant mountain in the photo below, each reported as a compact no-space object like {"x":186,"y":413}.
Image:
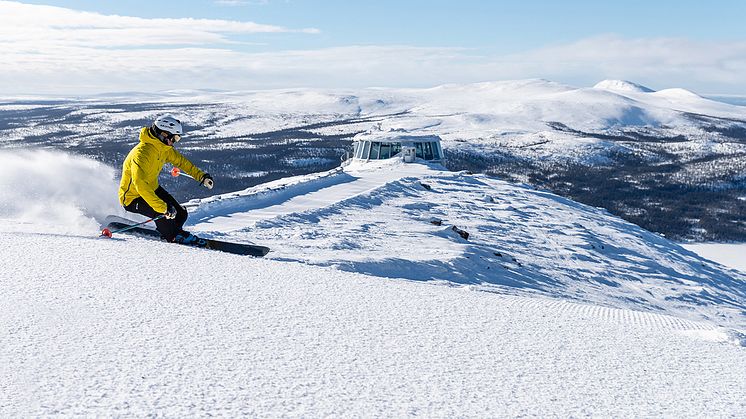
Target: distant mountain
{"x":622,"y":86}
{"x":669,"y":160}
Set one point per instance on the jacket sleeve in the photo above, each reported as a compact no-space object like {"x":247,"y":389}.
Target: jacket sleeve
{"x":178,"y":160}
{"x":144,"y":184}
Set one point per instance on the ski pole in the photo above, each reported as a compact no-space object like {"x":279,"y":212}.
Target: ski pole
{"x":106,"y":232}
{"x":176,"y":172}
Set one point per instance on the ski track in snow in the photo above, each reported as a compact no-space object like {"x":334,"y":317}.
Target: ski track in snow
{"x":240,"y":336}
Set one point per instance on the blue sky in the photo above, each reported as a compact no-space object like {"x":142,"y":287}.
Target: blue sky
{"x":350,"y":44}
{"x":501,"y":26}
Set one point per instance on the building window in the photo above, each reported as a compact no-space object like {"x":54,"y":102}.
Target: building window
{"x":377,"y":150}
{"x":436,"y":152}
{"x":395,"y":149}
{"x":385,"y":151}
{"x":428,"y":151}
{"x":418,"y":150}
{"x":374,"y":150}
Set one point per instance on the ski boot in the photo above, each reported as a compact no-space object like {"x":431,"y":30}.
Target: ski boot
{"x":190,"y":239}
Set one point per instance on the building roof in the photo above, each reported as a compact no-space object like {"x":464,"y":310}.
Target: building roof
{"x":395,"y":136}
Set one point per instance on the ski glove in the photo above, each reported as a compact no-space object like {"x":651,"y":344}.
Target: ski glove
{"x":170,"y":213}
{"x":207,"y":181}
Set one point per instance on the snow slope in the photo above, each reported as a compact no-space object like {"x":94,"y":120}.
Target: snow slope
{"x":364,"y":308}
{"x":376,"y":218}
{"x":193,"y":332}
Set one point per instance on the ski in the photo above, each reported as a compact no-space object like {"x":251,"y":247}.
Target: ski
{"x":223,"y":246}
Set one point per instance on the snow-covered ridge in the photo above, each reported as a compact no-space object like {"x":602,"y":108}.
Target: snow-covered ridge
{"x":220,"y":202}
{"x":395,"y":220}
{"x":678,"y":94}
{"x":504,"y":105}
{"x":622,"y":85}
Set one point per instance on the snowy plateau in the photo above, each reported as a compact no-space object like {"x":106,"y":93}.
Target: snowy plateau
{"x":370,"y":304}
{"x":670,"y":161}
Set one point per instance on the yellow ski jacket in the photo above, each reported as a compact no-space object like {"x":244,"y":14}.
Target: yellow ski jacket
{"x":143,"y":165}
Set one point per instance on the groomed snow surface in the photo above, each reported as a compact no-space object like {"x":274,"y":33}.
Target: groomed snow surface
{"x":354,"y":312}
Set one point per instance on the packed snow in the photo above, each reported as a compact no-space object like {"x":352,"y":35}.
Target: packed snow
{"x":370,"y":303}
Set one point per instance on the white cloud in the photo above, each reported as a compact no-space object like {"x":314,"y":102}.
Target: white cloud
{"x":660,"y":62}
{"x":56,"y":50}
{"x":36,"y":27}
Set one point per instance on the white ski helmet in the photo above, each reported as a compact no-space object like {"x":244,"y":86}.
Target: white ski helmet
{"x":168,"y":124}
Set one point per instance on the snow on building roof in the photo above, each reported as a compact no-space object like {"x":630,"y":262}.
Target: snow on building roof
{"x":395,"y":136}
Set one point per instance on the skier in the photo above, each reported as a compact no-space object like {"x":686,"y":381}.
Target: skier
{"x":139,"y":191}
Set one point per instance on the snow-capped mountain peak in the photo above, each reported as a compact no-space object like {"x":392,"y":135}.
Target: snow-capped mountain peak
{"x":678,"y":94}
{"x":622,"y":86}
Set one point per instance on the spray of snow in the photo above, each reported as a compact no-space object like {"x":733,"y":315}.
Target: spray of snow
{"x":51,"y":188}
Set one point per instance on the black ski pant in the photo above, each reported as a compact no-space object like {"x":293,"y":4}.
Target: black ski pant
{"x":168,"y":228}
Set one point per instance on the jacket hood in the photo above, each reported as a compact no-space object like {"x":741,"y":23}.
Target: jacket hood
{"x":146,"y":137}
